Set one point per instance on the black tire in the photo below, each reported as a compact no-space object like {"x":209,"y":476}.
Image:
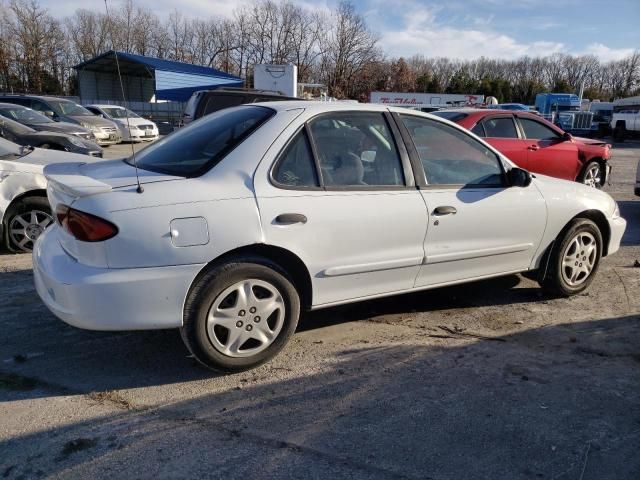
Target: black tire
{"x":555,"y":281}
{"x":206,"y":291}
{"x":619,"y":134}
{"x":22,"y":207}
{"x":587,"y":168}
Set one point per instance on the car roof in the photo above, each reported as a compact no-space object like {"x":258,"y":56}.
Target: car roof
{"x":39,"y":97}
{"x":99,"y":105}
{"x":318,"y":106}
{"x":12,"y":105}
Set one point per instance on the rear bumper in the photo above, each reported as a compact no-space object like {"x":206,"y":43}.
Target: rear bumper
{"x":109,"y":299}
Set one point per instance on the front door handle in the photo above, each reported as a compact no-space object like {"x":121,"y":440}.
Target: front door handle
{"x":290,"y":218}
{"x":445,"y":210}
{"x":533,"y":147}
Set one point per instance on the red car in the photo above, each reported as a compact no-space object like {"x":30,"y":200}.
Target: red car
{"x":536,"y":144}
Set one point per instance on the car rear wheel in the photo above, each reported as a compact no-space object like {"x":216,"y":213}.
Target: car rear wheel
{"x":592,"y":175}
{"x":574,"y":258}
{"x":26,"y":221}
{"x":240,"y":314}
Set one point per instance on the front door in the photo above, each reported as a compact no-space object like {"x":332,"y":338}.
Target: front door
{"x":478,"y":225}
{"x":341,"y":197}
{"x":547,"y":152}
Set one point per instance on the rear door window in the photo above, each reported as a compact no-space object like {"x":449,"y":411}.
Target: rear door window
{"x":500,"y":127}
{"x":356,"y":149}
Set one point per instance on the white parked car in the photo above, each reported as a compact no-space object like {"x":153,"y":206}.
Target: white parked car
{"x":133,"y":127}
{"x":24,"y":209}
{"x":255,"y":213}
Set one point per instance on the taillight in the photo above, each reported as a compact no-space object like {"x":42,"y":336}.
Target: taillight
{"x":84,"y":226}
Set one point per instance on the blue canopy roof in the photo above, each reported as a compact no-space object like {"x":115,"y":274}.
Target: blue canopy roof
{"x":173,"y":80}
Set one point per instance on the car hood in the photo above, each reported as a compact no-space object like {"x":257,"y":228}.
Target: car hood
{"x":93,"y":120}
{"x":133,"y":121}
{"x":44,"y":157}
{"x":589,"y":141}
{"x":62,"y":127}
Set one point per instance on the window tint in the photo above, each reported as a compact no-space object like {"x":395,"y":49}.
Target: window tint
{"x":500,"y":127}
{"x":295,"y":166}
{"x":478,"y":130}
{"x":356,"y":149}
{"x":193,"y":150}
{"x":537,"y":130}
{"x":451,"y":157}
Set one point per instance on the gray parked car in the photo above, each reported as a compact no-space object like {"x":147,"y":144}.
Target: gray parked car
{"x":40,"y":122}
{"x":63,"y":110}
{"x":28,"y":137}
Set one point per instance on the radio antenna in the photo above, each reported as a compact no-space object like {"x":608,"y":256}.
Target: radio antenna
{"x":115,"y":52}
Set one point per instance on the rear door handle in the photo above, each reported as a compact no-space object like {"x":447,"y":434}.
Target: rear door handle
{"x":533,"y":147}
{"x":445,"y":210}
{"x":290,"y":218}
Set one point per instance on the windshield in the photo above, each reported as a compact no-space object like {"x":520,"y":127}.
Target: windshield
{"x":114,"y":112}
{"x":15,"y":127}
{"x":193,"y":150}
{"x":10,"y":150}
{"x":24,"y":115}
{"x":65,"y":107}
{"x":453,"y":116}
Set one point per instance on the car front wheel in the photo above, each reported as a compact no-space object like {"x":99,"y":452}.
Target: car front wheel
{"x":26,"y":221}
{"x":592,"y":175}
{"x":240,"y":314}
{"x":574,"y":258}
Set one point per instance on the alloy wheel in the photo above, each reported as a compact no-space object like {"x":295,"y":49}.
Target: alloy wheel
{"x":579,"y":258}
{"x":592,"y":177}
{"x":246,"y":318}
{"x":25,"y":228}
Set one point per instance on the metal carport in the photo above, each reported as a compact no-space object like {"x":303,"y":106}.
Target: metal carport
{"x":145,"y":79}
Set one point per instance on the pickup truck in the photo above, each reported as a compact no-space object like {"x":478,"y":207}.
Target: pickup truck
{"x":625,"y":120}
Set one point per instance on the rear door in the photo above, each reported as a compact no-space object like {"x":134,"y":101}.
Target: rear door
{"x":338,"y":192}
{"x":501,"y":132}
{"x":478,"y":225}
{"x":547,"y":152}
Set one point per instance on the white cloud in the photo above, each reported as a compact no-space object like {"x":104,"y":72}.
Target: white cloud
{"x":432,"y":40}
{"x":605,"y":53}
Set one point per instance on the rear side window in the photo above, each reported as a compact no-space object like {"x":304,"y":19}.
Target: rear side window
{"x":295,"y":166}
{"x":195,"y":149}
{"x":479,"y":130}
{"x":500,"y":127}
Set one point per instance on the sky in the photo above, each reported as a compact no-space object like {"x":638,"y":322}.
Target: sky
{"x":609,"y":29}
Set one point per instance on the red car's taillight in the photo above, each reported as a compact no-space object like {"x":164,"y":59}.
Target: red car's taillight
{"x":84,"y":226}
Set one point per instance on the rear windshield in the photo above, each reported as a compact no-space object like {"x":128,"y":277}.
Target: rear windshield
{"x":453,"y":116}
{"x":197,"y":148}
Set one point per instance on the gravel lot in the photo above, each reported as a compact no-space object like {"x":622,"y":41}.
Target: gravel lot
{"x":488,"y":380}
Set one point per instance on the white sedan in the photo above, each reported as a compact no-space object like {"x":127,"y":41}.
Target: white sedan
{"x":253,"y":214}
{"x":133,"y":127}
{"x":24,"y":209}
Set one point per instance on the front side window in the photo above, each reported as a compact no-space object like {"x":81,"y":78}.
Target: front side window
{"x":295,"y":166}
{"x":479,"y":130}
{"x":451,"y":157}
{"x":356,"y":149}
{"x":536,"y":130}
{"x":197,"y":148}
{"x":65,"y":107}
{"x":502,"y":127}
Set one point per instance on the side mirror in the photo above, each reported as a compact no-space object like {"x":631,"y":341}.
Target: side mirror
{"x":49,"y":113}
{"x":567,"y":137}
{"x":518,"y":177}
